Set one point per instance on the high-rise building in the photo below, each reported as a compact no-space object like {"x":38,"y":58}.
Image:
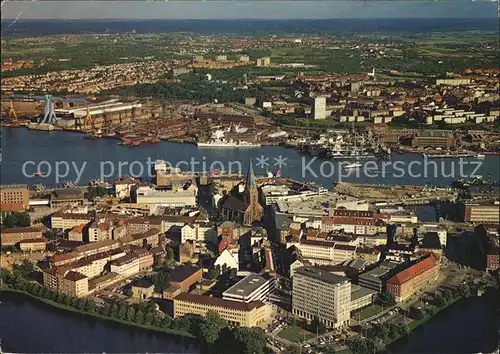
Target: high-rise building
{"x":319,"y":107}
{"x":322,"y":295}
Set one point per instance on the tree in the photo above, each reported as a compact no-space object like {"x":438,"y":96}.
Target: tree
{"x":139,"y":317}
{"x":90,"y":306}
{"x":212,"y":274}
{"x":161,"y":280}
{"x":249,"y":340}
{"x":10,"y":221}
{"x":24,"y":269}
{"x":149,"y":318}
{"x":292,"y":349}
{"x":80,"y":304}
{"x":130,"y":314}
{"x":166,"y":322}
{"x":156,"y":320}
{"x":17,"y":220}
{"x":181,"y":324}
{"x":439,"y":300}
{"x":464,"y":290}
{"x":392,"y":331}
{"x":66,"y":300}
{"x":357,"y":345}
{"x":386,"y":299}
{"x":210,"y":327}
{"x":317,"y":326}
{"x":329,"y":350}
{"x":11,"y":249}
{"x":447,"y":295}
{"x":402,"y":329}
{"x":51,"y":247}
{"x":380,"y":331}
{"x":416,"y":313}
{"x":113,"y":312}
{"x":122,"y":313}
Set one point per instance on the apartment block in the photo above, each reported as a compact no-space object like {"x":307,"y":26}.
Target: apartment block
{"x":18,"y":234}
{"x":31,"y":245}
{"x":64,"y":221}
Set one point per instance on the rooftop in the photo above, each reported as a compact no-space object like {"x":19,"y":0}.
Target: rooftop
{"x":74,"y":276}
{"x":431,"y":241}
{"x":181,"y":273}
{"x":218,"y":302}
{"x":142,"y":283}
{"x":375,"y":273}
{"x":414,"y":270}
{"x":67,"y":193}
{"x":247,"y":285}
{"x":5,"y":187}
{"x":16,"y":230}
{"x":321,"y":275}
{"x":358,"y":292}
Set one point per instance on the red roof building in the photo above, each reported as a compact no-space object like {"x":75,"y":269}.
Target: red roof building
{"x":416,"y":277}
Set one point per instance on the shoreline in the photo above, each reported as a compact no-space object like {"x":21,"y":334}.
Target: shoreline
{"x":96,"y":315}
{"x":445,"y":155}
{"x":420,"y":324}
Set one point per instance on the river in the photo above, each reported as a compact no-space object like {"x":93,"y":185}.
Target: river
{"x":467,"y":326}
{"x":29,"y":326}
{"x":105,"y":159}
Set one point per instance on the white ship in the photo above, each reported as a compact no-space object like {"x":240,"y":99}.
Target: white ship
{"x":228,"y":143}
{"x":219,"y":141}
{"x":353,"y":166}
{"x":355,"y":154}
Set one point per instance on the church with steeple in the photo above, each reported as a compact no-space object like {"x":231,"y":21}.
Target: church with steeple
{"x":244,"y":207}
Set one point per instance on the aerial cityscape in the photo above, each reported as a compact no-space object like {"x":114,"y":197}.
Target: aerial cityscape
{"x":250,"y":186}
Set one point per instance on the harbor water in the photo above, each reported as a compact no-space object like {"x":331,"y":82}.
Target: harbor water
{"x":82,"y":160}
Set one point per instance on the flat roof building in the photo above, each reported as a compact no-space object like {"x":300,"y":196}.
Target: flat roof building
{"x":251,"y":288}
{"x":322,"y":295}
{"x":373,"y":279}
{"x":66,"y":196}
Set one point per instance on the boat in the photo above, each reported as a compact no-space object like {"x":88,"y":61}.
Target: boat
{"x":41,"y":126}
{"x":353,"y":155}
{"x":480,"y":156}
{"x":227,"y":144}
{"x":217,"y":140}
{"x":353,"y":165}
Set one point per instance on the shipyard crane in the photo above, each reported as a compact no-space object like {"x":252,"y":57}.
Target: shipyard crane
{"x":49,"y":116}
{"x":11,"y":113}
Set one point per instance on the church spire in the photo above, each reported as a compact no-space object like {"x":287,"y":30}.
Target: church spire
{"x":250,"y":182}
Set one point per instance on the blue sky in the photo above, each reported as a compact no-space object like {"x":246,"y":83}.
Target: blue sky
{"x":246,"y":9}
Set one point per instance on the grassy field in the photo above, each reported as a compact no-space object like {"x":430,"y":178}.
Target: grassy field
{"x":295,"y":334}
{"x":369,"y":311}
